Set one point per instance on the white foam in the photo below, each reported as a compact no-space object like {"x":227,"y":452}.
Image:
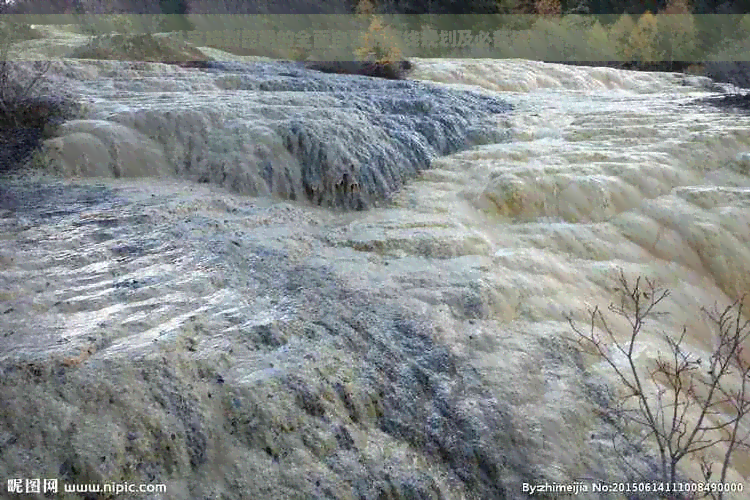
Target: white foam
{"x":630,"y":178}
{"x":605,"y":169}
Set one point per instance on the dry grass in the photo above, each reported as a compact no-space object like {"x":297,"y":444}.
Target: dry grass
{"x":140,"y":47}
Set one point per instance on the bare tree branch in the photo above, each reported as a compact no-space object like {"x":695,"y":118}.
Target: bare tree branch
{"x":685,"y":385}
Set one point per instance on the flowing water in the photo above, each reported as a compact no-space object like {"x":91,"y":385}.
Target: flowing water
{"x":596,"y":169}
{"x":606,"y":169}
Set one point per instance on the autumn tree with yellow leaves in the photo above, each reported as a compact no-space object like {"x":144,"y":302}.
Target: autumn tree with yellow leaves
{"x":548,"y":8}
{"x":677,"y":33}
{"x":379,"y":43}
{"x":642,"y":43}
{"x":619,"y":34}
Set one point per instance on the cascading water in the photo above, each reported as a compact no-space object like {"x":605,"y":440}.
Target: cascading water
{"x":176,"y":246}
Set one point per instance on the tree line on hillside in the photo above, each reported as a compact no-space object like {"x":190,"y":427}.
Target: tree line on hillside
{"x":636,"y":36}
{"x":632,"y":7}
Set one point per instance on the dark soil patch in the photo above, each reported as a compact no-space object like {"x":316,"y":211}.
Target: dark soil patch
{"x":391,"y":70}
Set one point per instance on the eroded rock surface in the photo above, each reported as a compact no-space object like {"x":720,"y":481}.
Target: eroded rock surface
{"x":226,"y":347}
{"x":158,"y":329}
{"x":270,"y":129}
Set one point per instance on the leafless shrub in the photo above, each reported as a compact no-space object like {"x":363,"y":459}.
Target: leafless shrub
{"x":16,"y":91}
{"x":698,"y":404}
{"x":32,"y":107}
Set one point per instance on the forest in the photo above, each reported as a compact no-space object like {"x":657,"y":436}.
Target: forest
{"x":632,"y":7}
{"x":657,"y":35}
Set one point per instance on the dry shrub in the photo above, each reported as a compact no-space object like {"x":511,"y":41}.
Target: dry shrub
{"x":684,"y":405}
{"x":23,"y":114}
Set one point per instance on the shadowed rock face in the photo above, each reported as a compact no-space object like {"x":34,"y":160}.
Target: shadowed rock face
{"x":273,"y":128}
{"x":734,"y":72}
{"x":393,"y":70}
{"x":738,"y":102}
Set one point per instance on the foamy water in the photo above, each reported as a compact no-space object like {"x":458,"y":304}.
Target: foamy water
{"x":604,"y":169}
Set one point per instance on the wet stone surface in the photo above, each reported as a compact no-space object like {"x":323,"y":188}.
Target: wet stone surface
{"x":197,"y":339}
{"x":238,"y":346}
